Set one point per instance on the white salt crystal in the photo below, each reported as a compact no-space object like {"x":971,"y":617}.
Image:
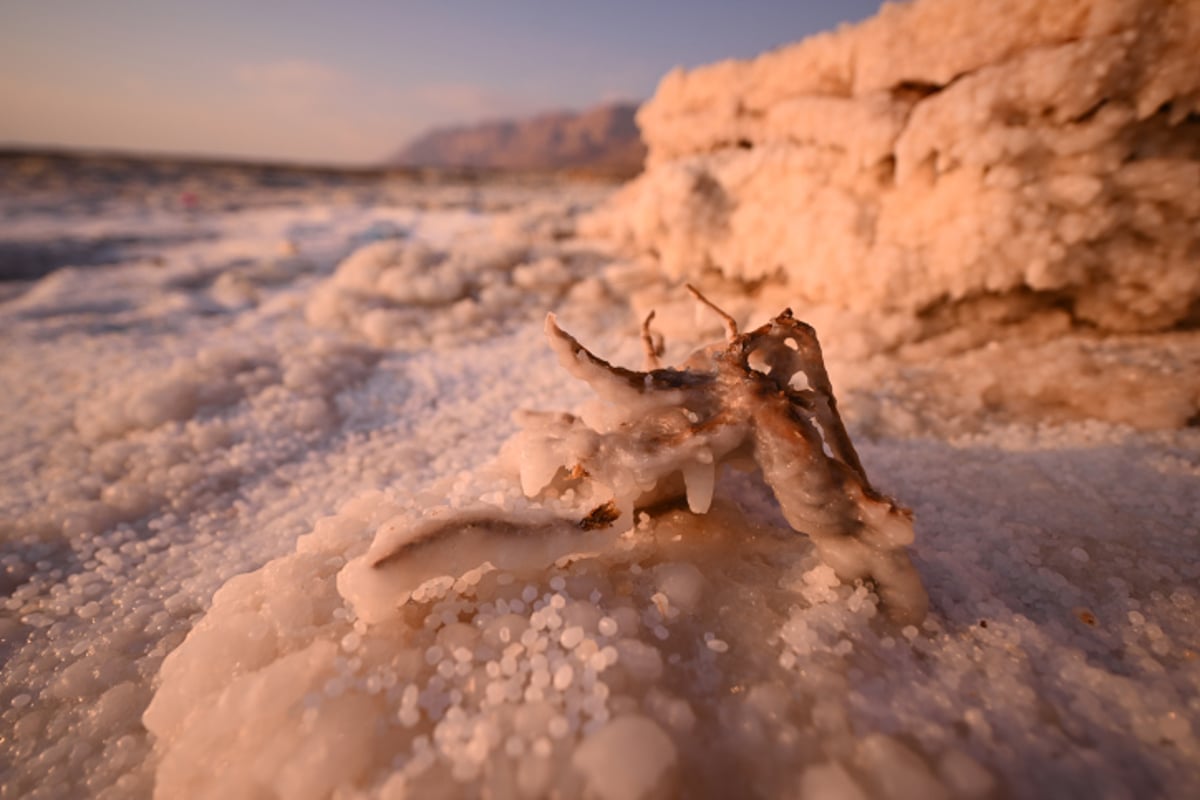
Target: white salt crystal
{"x":571,"y":637}
{"x":610,"y":655}
{"x":563,"y":677}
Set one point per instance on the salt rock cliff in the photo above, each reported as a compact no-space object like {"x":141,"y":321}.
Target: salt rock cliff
{"x":602,"y":139}
{"x":941,"y":161}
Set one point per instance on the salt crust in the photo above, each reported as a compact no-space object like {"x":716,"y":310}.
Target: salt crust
{"x":94,"y":610}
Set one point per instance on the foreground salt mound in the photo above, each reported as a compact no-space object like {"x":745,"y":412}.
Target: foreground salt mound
{"x":610,"y":677}
{"x":1036,"y":159}
{"x":716,"y":660}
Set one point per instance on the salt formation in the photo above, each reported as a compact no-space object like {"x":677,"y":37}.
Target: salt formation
{"x":947,"y":165}
{"x":764,"y":400}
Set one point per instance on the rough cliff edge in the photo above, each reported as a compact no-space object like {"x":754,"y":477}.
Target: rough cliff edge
{"x":948,"y":175}
{"x":602,"y":140}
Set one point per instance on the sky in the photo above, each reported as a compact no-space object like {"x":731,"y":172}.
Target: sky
{"x":350,"y":82}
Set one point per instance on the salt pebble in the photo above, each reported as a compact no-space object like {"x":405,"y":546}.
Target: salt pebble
{"x":571,"y":637}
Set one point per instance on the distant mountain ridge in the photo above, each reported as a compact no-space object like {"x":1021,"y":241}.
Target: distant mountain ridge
{"x":602,"y":140}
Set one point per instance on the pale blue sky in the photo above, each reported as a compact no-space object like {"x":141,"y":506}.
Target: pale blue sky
{"x":350,"y":81}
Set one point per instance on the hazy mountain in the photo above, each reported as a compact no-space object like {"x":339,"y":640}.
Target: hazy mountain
{"x":601,"y":140}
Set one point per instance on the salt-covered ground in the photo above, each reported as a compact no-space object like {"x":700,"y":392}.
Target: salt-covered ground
{"x":200,"y":433}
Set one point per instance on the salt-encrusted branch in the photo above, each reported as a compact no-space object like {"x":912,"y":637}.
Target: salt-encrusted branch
{"x":664,"y":434}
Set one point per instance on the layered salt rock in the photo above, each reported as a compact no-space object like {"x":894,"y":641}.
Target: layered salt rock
{"x":1040,"y":158}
